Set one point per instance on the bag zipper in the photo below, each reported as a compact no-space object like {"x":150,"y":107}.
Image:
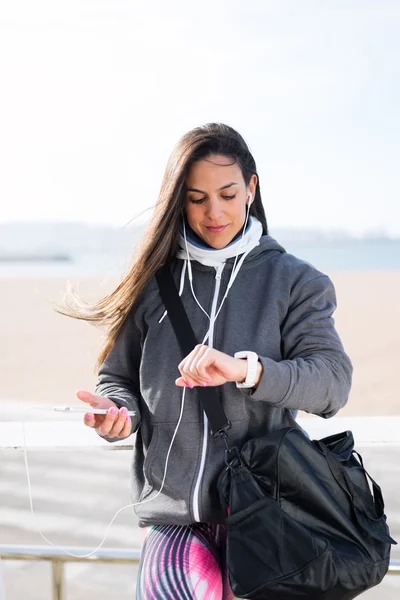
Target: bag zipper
{"x":196,"y":493}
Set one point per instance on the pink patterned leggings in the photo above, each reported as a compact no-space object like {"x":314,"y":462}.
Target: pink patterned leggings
{"x":183,"y":563}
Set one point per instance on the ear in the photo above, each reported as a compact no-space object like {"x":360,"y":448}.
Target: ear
{"x":251,"y":189}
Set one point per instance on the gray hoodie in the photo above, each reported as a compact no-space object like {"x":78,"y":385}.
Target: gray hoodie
{"x":281,"y":308}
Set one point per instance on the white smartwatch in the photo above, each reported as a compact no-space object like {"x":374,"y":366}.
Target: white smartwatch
{"x":252,"y":363}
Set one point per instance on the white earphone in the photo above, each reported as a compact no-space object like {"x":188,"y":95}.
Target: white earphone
{"x":250,"y":200}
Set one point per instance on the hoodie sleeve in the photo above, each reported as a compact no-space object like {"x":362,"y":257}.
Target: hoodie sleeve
{"x":118,"y":376}
{"x":315,"y":373}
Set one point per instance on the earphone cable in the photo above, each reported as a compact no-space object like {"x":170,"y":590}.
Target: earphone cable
{"x":120,"y":510}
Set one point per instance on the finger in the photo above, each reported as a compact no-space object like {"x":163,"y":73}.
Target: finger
{"x":89,"y":420}
{"x":99,"y":420}
{"x":119,"y":423}
{"x":181,"y":382}
{"x":197,"y":369}
{"x":84,"y":395}
{"x":94,"y":399}
{"x":203,"y":365}
{"x":108,"y":422}
{"x":186,"y":366}
{"x":88,"y":397}
{"x":183,"y":366}
{"x":189,"y":358}
{"x":186,"y":379}
{"x":192,"y":371}
{"x":127,"y":430}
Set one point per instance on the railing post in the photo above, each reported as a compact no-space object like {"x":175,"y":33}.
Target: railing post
{"x":58,"y":581}
{"x":2,"y":590}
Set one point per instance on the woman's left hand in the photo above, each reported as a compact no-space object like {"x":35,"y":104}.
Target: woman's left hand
{"x":207,"y":366}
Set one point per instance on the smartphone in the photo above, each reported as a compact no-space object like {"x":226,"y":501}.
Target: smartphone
{"x":89,"y":409}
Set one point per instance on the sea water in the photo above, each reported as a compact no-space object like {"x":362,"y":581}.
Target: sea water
{"x":333,"y":256}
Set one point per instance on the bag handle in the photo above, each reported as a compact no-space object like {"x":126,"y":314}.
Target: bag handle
{"x":361,"y":511}
{"x":209,"y":397}
{"x":342,"y":478}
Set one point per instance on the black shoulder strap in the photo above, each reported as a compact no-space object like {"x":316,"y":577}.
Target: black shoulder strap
{"x":187,"y":341}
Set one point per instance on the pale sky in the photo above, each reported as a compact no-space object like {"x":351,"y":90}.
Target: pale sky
{"x":94,"y":94}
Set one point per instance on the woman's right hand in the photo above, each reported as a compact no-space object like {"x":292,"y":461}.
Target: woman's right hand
{"x":116,"y":423}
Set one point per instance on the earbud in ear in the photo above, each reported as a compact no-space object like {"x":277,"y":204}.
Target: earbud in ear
{"x":250,"y":200}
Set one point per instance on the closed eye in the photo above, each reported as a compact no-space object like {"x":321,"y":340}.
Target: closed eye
{"x":201,"y":200}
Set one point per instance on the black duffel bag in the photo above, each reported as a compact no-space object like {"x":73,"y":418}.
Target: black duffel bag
{"x":304,"y":518}
{"x":303,"y":521}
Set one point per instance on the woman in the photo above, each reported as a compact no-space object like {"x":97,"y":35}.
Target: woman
{"x":242,"y":293}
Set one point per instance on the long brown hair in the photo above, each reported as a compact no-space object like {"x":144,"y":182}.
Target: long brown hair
{"x":159,"y":243}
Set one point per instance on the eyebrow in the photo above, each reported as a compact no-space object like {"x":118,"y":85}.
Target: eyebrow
{"x":218,"y":190}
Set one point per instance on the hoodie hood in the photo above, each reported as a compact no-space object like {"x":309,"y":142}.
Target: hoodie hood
{"x":267,"y":244}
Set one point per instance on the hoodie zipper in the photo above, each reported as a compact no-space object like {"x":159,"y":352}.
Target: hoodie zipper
{"x":196,"y":493}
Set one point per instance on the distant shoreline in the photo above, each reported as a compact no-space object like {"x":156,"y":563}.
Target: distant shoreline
{"x":29,"y":258}
{"x":108,"y":259}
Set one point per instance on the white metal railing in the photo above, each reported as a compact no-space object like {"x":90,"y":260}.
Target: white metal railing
{"x":368,"y":431}
{"x":58,"y":558}
{"x":58,"y":435}
{"x":108,"y":555}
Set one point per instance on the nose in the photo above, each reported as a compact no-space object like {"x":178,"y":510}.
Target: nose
{"x":214,"y":209}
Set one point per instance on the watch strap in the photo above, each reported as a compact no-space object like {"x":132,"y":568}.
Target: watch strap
{"x":252,"y":363}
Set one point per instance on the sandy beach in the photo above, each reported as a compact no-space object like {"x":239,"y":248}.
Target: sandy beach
{"x":46,"y":356}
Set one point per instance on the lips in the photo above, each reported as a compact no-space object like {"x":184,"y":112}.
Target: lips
{"x":216,"y":229}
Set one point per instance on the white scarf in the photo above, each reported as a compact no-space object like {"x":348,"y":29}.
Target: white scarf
{"x":213,"y":257}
